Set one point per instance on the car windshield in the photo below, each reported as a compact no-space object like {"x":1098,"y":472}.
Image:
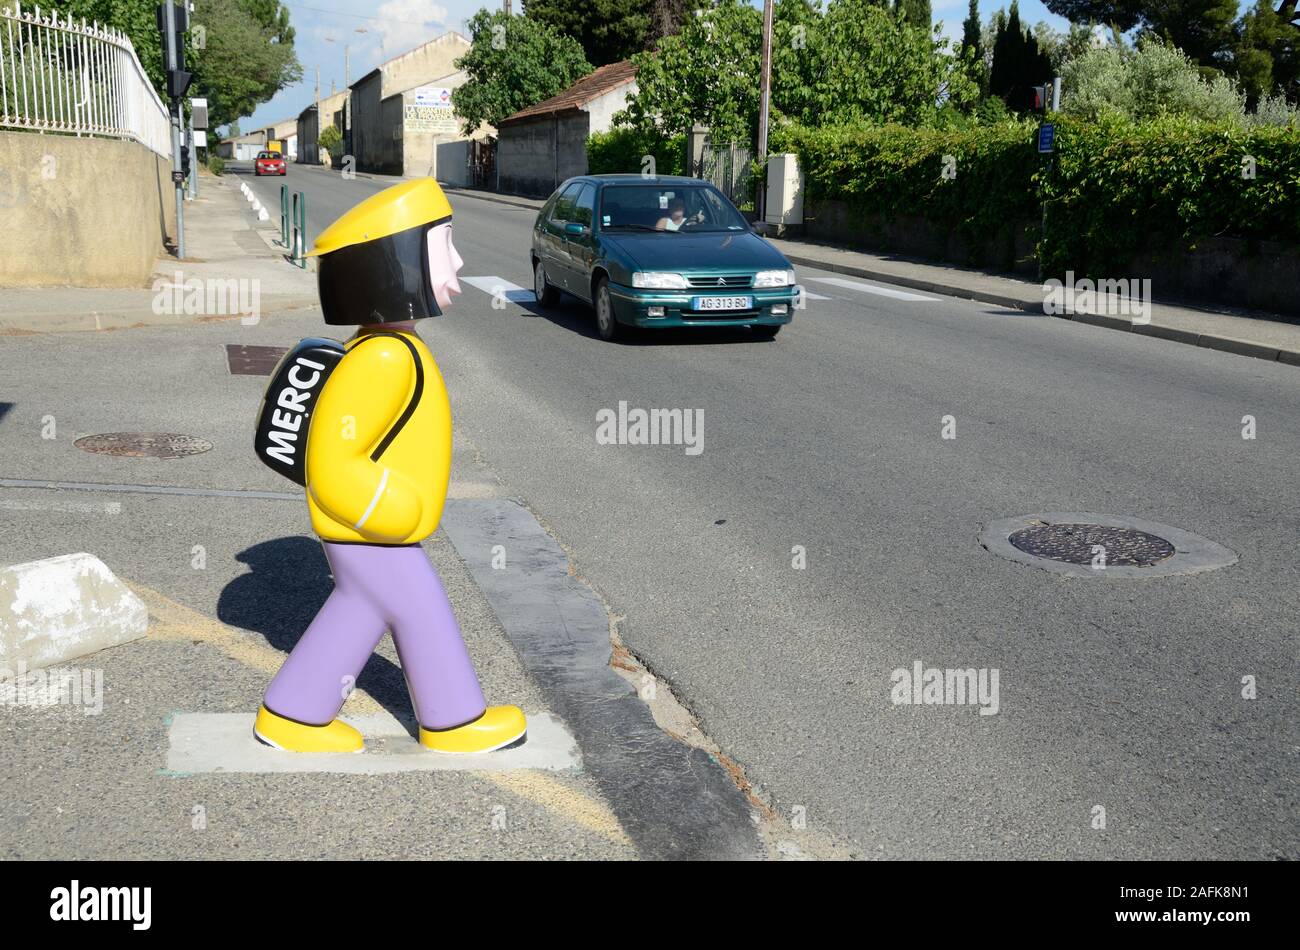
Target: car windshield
{"x":668,"y":209}
{"x":268,"y":155}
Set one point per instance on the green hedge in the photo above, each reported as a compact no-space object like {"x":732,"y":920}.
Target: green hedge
{"x":892,"y":171}
{"x":624,"y":150}
{"x":1118,"y":188}
{"x":1114,"y":189}
{"x":216,"y":164}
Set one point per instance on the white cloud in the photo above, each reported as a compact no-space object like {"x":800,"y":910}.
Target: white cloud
{"x":404,"y":24}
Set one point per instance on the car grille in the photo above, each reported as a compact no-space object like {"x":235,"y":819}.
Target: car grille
{"x":727,"y":280}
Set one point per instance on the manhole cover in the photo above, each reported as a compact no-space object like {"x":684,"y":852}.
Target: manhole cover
{"x":246,"y":360}
{"x":1072,"y":543}
{"x":1085,"y":543}
{"x":144,"y":445}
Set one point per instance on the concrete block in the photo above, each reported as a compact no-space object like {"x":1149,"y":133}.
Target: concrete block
{"x":64,"y":607}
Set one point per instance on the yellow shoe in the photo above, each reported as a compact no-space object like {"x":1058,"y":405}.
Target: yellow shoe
{"x":495,"y":729}
{"x":290,"y":736}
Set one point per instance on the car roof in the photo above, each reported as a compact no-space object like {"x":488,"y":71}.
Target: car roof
{"x":632,"y":177}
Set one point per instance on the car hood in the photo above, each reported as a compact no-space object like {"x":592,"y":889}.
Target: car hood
{"x":682,"y":251}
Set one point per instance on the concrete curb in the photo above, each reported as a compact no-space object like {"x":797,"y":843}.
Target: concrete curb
{"x":64,"y":607}
{"x":1035,"y":305}
{"x":675,"y":802}
{"x":531,"y":204}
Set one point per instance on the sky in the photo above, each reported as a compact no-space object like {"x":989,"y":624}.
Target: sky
{"x":374,"y":34}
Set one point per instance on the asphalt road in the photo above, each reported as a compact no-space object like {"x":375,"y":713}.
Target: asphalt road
{"x":1114,"y":693}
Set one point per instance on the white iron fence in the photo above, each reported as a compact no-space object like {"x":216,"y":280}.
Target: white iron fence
{"x":57,"y":76}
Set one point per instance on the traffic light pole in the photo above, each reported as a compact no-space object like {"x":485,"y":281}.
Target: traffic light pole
{"x":169,"y":32}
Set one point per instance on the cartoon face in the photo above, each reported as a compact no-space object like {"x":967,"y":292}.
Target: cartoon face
{"x":444,"y":262}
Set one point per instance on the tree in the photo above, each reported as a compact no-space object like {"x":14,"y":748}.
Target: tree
{"x":970,"y":30}
{"x":703,"y":74}
{"x":1154,"y":80}
{"x":513,"y":62}
{"x":917,"y":12}
{"x":1018,"y":64}
{"x":857,"y":60}
{"x":248,"y":55}
{"x":609,"y":30}
{"x":1266,"y":54}
{"x":1203,"y":29}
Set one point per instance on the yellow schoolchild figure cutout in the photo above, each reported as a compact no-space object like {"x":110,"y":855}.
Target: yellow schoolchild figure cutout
{"x":378,"y":456}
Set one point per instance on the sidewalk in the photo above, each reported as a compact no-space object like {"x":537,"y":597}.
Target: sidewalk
{"x":1247,"y":333}
{"x":224,"y":243}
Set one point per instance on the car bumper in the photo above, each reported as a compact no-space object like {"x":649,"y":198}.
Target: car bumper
{"x":632,"y":306}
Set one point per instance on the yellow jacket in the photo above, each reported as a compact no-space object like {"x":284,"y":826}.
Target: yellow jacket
{"x":362,"y":483}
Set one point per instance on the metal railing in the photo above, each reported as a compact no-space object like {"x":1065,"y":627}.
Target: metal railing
{"x":58,"y":76}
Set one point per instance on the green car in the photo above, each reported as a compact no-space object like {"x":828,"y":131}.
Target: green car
{"x":658,"y":252}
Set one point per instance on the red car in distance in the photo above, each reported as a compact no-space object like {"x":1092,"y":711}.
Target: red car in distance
{"x":270,"y":163}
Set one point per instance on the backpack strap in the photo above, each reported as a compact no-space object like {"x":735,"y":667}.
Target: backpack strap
{"x":388,"y":438}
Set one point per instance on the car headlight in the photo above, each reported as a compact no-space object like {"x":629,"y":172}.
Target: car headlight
{"x":659,"y":280}
{"x":774,"y":278}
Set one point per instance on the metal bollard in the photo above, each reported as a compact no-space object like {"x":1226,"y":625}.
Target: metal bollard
{"x":284,"y":215}
{"x":299,"y":228}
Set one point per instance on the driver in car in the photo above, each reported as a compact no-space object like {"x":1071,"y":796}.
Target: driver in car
{"x":677,"y":216}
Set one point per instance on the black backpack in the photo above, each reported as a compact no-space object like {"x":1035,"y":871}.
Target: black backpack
{"x":285,"y":417}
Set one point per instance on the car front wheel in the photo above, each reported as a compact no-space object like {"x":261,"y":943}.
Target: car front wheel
{"x":607,"y":324}
{"x":547,"y":296}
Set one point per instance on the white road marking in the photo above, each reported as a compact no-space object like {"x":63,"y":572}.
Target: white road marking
{"x":493,"y":285}
{"x":224,"y":743}
{"x":872,"y":288}
{"x":812,"y":296}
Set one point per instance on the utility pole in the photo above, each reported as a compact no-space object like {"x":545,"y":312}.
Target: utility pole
{"x":347,"y":71}
{"x":764,"y":102}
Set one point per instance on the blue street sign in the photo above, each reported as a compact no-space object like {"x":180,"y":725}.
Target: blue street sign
{"x":1046,"y":138}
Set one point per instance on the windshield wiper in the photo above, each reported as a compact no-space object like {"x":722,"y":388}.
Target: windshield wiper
{"x":638,"y":227}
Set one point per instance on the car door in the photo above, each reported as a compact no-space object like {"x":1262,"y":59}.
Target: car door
{"x":551,"y":247}
{"x":580,"y":248}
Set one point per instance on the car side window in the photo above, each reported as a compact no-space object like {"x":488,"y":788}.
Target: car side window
{"x":584,"y":206}
{"x":563,"y":209}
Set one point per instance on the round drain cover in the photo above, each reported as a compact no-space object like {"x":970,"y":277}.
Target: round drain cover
{"x":1074,"y":543}
{"x":145,"y":445}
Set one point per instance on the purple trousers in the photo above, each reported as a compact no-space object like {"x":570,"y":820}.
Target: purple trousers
{"x":377,"y":588}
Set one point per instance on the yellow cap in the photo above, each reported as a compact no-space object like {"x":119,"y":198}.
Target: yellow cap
{"x":394,"y":209}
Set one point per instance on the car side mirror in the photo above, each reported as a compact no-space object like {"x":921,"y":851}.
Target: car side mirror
{"x":578,"y":230}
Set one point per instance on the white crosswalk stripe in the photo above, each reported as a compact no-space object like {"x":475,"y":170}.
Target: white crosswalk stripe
{"x":812,"y":296}
{"x":493,"y":285}
{"x":871,"y":288}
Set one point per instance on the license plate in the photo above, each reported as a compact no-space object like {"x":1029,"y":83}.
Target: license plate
{"x":721,"y":303}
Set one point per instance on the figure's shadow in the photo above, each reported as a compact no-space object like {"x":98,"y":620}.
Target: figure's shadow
{"x":286,"y":584}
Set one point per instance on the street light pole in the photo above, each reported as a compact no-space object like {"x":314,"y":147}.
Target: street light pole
{"x":764,"y":103}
